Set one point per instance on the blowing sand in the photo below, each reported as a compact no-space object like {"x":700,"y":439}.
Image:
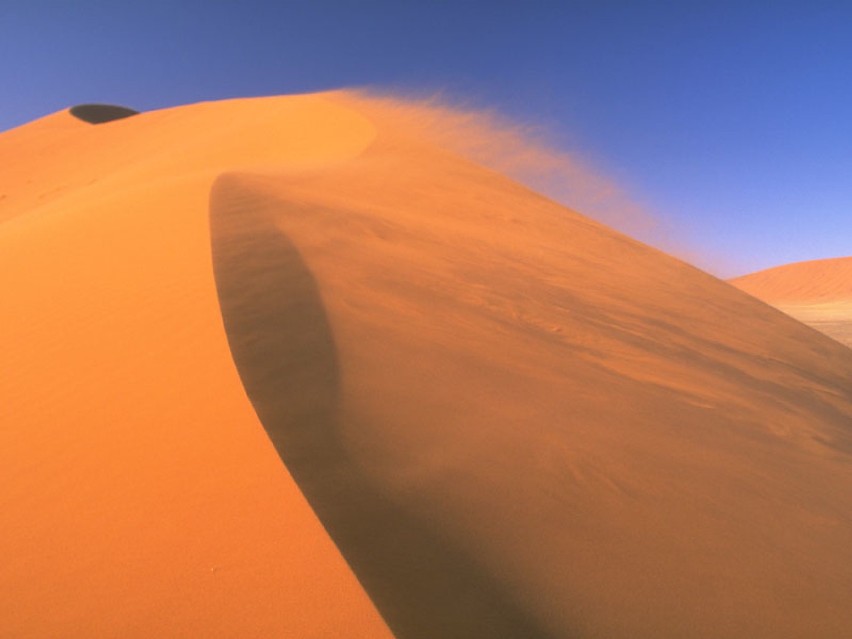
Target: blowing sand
{"x":496,"y":417}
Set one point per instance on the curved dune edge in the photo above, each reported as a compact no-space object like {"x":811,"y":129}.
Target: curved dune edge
{"x":285,"y":352}
{"x":140,"y":495}
{"x":817,"y":293}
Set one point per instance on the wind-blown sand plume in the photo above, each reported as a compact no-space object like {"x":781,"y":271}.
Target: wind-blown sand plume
{"x":511,"y":420}
{"x":519,"y":150}
{"x":817,"y":292}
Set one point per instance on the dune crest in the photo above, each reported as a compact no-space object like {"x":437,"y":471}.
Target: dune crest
{"x":828,"y":280}
{"x":520,"y":150}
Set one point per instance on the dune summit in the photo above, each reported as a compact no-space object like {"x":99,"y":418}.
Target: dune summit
{"x":303,"y":368}
{"x":817,"y":292}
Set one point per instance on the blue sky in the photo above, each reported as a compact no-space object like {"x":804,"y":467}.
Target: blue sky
{"x":730,"y":121}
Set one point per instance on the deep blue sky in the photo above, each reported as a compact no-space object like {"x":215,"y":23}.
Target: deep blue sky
{"x":731,"y":121}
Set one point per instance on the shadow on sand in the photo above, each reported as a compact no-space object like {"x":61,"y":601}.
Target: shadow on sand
{"x":283,"y":347}
{"x":100,"y":113}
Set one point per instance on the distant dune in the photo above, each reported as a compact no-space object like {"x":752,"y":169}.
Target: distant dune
{"x":818,"y":293}
{"x":299,"y":367}
{"x":809,"y":282}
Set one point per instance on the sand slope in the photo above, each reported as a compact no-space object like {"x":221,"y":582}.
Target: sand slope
{"x":818,"y":293}
{"x":140,"y":496}
{"x":510,"y":420}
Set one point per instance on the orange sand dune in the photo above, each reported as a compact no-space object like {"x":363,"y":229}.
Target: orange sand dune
{"x":804,"y":282}
{"x":818,"y":293}
{"x":140,"y":497}
{"x":497,"y":418}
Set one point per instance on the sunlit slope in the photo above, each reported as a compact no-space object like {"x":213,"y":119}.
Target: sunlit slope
{"x":139,"y":496}
{"x":818,"y":293}
{"x":61,"y":156}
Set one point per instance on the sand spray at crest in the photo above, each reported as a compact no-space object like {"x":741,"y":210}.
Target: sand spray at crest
{"x":521,"y":151}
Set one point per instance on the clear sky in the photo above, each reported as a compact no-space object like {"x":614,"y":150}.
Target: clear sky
{"x":731,"y":121}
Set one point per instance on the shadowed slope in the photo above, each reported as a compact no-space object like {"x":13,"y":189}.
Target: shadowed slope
{"x":101,"y":113}
{"x":285,"y":353}
{"x":817,"y":292}
{"x":623,"y":445}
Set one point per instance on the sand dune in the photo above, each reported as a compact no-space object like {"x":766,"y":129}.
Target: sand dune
{"x":818,"y":293}
{"x":496,"y":417}
{"x":140,"y":496}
